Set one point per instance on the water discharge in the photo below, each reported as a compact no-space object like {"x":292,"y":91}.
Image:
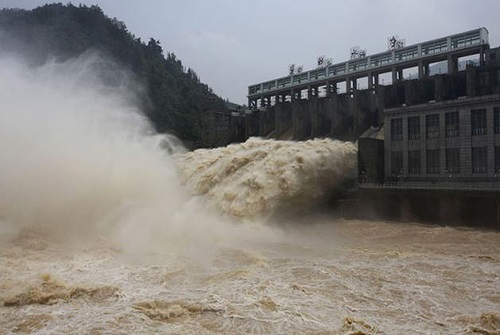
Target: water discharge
{"x":259,"y":177}
{"x":103,"y":230}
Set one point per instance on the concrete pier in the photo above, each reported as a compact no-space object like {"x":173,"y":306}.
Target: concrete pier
{"x":346,"y":115}
{"x":447,"y":49}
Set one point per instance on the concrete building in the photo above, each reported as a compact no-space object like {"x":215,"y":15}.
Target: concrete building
{"x":456,"y":141}
{"x":441,"y":156}
{"x":426,"y":117}
{"x":223,"y":126}
{"x":441,"y":163}
{"x":343,"y":100}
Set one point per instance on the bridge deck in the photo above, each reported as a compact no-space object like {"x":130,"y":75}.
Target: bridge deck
{"x":458,"y":45}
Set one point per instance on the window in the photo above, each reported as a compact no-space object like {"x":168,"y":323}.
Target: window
{"x":414,"y":128}
{"x":397,"y":162}
{"x":451,"y":124}
{"x":452,"y":161}
{"x":397,"y":129}
{"x":497,"y":159}
{"x":432,"y":125}
{"x":478,"y":121}
{"x":496,"y":119}
{"x":479,"y":160}
{"x":433,"y":161}
{"x":414,"y":162}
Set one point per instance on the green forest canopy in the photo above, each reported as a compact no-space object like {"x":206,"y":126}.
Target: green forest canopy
{"x":175,"y":97}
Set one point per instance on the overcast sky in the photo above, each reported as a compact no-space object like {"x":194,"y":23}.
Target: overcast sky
{"x":234,"y":43}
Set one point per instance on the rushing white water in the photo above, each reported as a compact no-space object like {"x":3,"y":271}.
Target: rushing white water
{"x":100,"y":233}
{"x":258,"y":177}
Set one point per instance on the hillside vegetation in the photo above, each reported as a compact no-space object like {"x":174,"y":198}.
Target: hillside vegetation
{"x":174,"y":98}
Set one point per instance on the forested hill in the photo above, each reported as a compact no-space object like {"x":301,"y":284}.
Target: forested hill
{"x":177,"y":98}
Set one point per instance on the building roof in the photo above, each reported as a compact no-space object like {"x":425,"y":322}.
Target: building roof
{"x":374,"y":132}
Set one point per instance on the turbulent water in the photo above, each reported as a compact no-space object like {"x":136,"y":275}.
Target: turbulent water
{"x":259,"y":177}
{"x":345,"y":277}
{"x":103,"y":231}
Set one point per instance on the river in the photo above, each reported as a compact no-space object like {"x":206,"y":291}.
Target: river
{"x":103,"y":231}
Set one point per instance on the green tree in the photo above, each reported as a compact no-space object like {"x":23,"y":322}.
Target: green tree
{"x":174,"y":97}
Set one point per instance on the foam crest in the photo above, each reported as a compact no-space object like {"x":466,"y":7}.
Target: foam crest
{"x":260,"y":176}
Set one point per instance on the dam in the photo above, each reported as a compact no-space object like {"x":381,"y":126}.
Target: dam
{"x":426,"y":118}
{"x":104,"y":230}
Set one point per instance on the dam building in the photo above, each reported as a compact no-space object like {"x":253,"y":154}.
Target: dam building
{"x":427,"y":121}
{"x":394,"y":61}
{"x":438,"y":161}
{"x":342,"y":100}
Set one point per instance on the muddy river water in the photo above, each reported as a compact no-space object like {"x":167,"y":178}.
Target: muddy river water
{"x":104,"y":231}
{"x":331,"y":277}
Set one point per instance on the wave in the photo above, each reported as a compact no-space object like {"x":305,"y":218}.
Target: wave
{"x":259,"y":177}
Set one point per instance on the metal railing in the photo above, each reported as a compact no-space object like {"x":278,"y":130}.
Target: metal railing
{"x":410,"y":53}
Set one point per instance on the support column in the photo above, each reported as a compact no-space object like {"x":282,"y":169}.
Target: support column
{"x":314,"y":111}
{"x":470,"y":80}
{"x":394,"y":75}
{"x":452,"y":64}
{"x":355,"y":111}
{"x":249,"y":124}
{"x":312,"y":92}
{"x":482,"y":55}
{"x":423,"y":69}
{"x":332,"y":88}
{"x":380,"y":102}
{"x":301,"y":124}
{"x":283,"y":119}
{"x":283,"y":97}
{"x":438,"y":92}
{"x":265,"y":102}
{"x":295,"y":120}
{"x":328,"y":89}
{"x":335,"y":116}
{"x":370,"y":81}
{"x":251,"y":103}
{"x":409,"y":93}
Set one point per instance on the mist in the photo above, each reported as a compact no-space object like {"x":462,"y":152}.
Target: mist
{"x":78,"y":158}
{"x":81,"y":162}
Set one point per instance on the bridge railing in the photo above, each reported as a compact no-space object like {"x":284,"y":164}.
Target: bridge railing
{"x":411,"y":53}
